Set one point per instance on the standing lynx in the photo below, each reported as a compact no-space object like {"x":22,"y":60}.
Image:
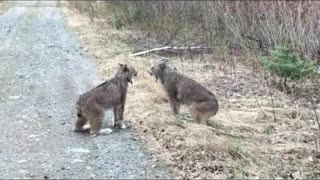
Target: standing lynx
{"x":184,"y":90}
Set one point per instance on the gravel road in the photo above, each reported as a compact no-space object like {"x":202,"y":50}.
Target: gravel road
{"x":42,"y":73}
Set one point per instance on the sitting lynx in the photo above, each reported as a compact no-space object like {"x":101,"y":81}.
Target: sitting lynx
{"x":183,"y":90}
{"x":110,"y":94}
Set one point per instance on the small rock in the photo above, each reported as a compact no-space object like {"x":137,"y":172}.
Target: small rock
{"x":77,"y":161}
{"x":80,"y":150}
{"x":105,"y":131}
{"x":32,"y":136}
{"x":296,"y":175}
{"x":22,"y":161}
{"x":63,"y":168}
{"x":45,"y":177}
{"x":14,"y":97}
{"x":23,"y":171}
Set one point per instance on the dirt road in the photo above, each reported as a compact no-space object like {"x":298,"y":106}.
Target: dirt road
{"x":42,"y":72}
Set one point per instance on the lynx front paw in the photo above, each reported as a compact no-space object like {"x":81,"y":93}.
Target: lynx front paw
{"x":123,"y":126}
{"x":120,"y":125}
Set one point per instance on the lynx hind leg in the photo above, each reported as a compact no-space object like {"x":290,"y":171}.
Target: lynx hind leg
{"x":95,"y":118}
{"x":196,"y":115}
{"x":199,"y":113}
{"x":95,"y":125}
{"x":86,"y":127}
{"x":80,"y":124}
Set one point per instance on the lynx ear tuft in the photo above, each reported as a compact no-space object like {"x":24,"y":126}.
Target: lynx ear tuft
{"x":164,"y":60}
{"x":125,"y":68}
{"x":163,"y":65}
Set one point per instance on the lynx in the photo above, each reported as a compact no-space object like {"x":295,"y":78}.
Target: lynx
{"x":110,"y":94}
{"x":184,"y":90}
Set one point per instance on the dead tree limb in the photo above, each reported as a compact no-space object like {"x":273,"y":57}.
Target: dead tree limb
{"x":168,"y":48}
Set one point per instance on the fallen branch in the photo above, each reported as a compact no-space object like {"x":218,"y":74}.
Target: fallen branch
{"x":226,"y":134}
{"x":168,"y":48}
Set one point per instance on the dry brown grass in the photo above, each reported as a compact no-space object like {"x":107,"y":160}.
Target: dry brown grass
{"x":3,"y":7}
{"x":266,"y":149}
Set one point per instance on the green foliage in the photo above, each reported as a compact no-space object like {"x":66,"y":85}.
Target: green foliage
{"x":288,"y":65}
{"x":138,"y":15}
{"x":118,"y":21}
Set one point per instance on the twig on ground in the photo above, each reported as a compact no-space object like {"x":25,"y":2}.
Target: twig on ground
{"x":271,"y":95}
{"x":168,"y":48}
{"x":316,"y":114}
{"x":226,"y":134}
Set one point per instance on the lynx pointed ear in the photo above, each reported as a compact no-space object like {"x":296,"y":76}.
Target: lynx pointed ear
{"x":164,"y":60}
{"x":121,"y":65}
{"x":162,"y":65}
{"x":125,"y":68}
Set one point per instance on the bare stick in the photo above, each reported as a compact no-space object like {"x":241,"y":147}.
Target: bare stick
{"x":274,"y":113}
{"x":168,"y":48}
{"x":226,"y":134}
{"x":315,"y":111}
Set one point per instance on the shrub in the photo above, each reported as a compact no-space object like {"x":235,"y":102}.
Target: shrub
{"x":117,"y":21}
{"x":288,"y":65}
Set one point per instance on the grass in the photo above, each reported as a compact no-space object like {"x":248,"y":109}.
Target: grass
{"x":196,"y":151}
{"x":3,"y":6}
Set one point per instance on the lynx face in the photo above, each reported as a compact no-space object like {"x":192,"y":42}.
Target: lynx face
{"x":127,"y":72}
{"x":159,"y":69}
